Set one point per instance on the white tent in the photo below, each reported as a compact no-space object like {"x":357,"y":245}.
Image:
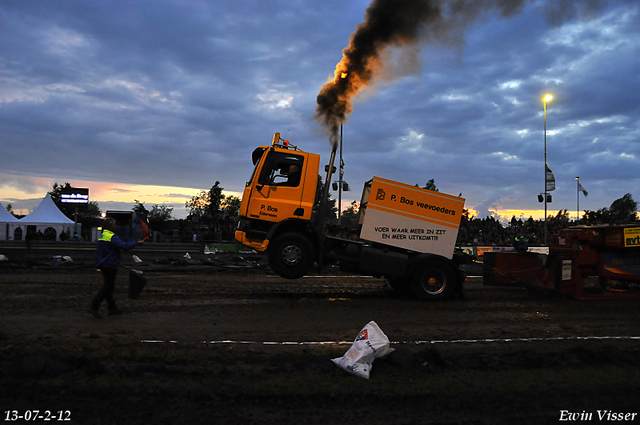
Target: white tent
{"x":5,"y":218}
{"x":45,"y":217}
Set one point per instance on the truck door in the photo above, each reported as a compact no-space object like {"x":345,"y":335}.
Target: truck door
{"x":277,"y":194}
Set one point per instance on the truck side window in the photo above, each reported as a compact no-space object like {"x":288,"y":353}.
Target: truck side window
{"x":256,"y":156}
{"x":282,"y":169}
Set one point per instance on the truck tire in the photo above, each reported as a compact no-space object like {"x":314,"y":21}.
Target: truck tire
{"x":433,"y":279}
{"x":291,"y":255}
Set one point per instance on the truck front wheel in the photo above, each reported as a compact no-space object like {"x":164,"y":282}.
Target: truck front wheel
{"x":291,"y":255}
{"x":433,"y":280}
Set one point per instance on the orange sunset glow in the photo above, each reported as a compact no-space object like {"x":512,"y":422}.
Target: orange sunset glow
{"x":108,"y":195}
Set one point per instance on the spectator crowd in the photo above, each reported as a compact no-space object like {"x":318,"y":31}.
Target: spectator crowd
{"x":491,"y":232}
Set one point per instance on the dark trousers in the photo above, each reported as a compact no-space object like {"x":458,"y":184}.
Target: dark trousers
{"x":106,"y":293}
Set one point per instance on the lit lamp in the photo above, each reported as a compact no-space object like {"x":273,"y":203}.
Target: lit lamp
{"x":546,"y":98}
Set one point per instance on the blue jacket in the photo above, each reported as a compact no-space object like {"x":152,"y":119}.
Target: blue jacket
{"x":109,"y":247}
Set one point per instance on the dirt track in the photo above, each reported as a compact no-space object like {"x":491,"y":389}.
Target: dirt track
{"x":244,"y":347}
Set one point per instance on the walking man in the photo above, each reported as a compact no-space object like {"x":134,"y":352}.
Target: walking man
{"x":108,"y":250}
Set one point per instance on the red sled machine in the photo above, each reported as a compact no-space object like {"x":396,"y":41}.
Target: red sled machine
{"x":586,"y":262}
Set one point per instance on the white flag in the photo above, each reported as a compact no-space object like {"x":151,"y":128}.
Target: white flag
{"x":550,"y":180}
{"x":582,"y":189}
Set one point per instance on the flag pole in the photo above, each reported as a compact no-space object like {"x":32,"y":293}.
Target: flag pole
{"x":577,"y":199}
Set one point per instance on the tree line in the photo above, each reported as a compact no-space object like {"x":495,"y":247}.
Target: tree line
{"x":213,"y":217}
{"x":492,"y":231}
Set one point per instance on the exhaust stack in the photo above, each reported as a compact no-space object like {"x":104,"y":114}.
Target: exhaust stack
{"x":322,"y":210}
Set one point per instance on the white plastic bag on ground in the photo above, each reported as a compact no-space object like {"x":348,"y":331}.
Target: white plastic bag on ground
{"x":370,"y":344}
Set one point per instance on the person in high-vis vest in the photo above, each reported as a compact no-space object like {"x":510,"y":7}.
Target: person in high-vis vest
{"x":108,"y":251}
{"x":521,"y":244}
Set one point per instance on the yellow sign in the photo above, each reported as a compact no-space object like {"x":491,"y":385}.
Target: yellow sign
{"x":632,"y":236}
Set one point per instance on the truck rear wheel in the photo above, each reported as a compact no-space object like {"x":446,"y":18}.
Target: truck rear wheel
{"x":433,"y":279}
{"x":291,"y":255}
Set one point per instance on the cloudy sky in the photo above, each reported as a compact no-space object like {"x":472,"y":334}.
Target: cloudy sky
{"x":155,"y":100}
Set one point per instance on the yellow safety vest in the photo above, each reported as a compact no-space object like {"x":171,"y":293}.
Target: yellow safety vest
{"x":106,"y":235}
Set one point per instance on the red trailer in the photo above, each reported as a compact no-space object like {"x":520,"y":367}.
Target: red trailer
{"x":597,"y":262}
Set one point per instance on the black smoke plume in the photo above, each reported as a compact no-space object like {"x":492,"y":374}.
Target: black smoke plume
{"x":403,"y":25}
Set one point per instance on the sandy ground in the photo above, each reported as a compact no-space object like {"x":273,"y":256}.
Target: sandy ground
{"x":243,"y":346}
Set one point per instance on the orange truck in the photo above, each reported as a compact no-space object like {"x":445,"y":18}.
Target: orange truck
{"x":404,"y":233}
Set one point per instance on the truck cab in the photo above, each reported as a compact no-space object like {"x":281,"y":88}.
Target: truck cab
{"x":280,"y":194}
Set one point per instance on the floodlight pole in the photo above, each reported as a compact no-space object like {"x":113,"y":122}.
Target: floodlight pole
{"x":545,"y":99}
{"x":544,"y":105}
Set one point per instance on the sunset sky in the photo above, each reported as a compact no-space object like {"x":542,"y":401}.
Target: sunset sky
{"x":157,"y":100}
{"x":25,"y":193}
